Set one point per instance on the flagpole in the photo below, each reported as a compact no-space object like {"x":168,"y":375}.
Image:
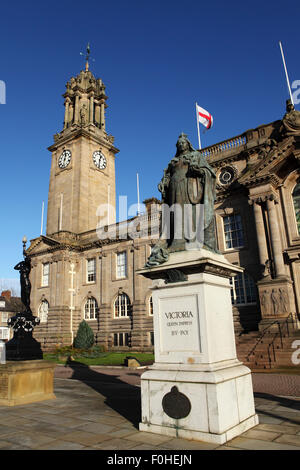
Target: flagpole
{"x":42,"y":220}
{"x":199,"y":141}
{"x":138,"y":193}
{"x":286,"y":74}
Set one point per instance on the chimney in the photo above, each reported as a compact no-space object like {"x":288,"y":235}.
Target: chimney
{"x":6,"y":294}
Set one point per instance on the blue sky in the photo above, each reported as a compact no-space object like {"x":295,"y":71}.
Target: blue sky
{"x":156,"y":59}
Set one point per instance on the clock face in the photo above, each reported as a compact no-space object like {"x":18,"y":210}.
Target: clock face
{"x":64,"y":159}
{"x":99,"y":160}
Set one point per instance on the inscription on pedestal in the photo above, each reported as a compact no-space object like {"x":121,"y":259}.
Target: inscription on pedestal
{"x":179,"y":324}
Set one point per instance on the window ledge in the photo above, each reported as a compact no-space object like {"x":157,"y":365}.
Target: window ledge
{"x":118,"y":318}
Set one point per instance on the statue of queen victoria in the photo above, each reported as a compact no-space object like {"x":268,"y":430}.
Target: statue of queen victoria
{"x":188,"y":195}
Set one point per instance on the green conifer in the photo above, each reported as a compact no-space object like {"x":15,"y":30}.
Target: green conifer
{"x":85,"y":336}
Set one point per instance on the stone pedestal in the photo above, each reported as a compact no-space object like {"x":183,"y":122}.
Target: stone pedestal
{"x":277,"y":303}
{"x":24,"y":382}
{"x":197,"y":388}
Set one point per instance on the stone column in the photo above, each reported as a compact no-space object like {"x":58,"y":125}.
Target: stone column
{"x":76,"y":110}
{"x":67,"y":103}
{"x":261,"y":235}
{"x":275,"y":238}
{"x":97,"y":114}
{"x":92,"y":109}
{"x":102,"y":116}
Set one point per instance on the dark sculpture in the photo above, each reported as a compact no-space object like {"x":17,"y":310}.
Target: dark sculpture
{"x":24,"y":267}
{"x":188,"y":190}
{"x":291,"y":119}
{"x":23,"y":346}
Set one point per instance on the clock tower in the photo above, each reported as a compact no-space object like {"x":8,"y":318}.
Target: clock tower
{"x":83,"y":160}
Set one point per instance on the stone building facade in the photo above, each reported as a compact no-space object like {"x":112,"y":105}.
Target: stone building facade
{"x":9,"y":307}
{"x":78,"y":274}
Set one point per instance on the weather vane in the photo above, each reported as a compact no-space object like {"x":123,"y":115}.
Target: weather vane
{"x":87,"y":57}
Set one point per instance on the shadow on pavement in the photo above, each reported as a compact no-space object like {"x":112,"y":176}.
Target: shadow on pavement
{"x":123,"y":398}
{"x":281,"y":401}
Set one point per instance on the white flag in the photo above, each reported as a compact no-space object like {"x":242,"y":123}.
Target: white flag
{"x":204,"y":117}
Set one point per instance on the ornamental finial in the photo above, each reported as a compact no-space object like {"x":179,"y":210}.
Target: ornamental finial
{"x":87,"y":57}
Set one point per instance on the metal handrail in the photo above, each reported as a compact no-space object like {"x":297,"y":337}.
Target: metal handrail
{"x":259,"y":339}
{"x":279,"y":332}
{"x":285,"y":323}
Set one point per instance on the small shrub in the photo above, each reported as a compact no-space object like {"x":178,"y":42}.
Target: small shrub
{"x":85,"y":336}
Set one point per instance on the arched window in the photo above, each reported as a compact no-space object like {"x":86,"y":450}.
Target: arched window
{"x":150,"y":306}
{"x":43,"y":311}
{"x":90,"y":309}
{"x":296,"y":200}
{"x":122,"y":306}
{"x":243,"y":290}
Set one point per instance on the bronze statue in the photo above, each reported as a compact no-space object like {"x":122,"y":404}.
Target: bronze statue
{"x":23,"y":346}
{"x":188,"y":190}
{"x":24,"y":267}
{"x":291,"y":119}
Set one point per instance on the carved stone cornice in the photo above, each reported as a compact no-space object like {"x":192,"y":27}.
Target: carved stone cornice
{"x":263,"y":179}
{"x":260,"y":198}
{"x":69,"y":134}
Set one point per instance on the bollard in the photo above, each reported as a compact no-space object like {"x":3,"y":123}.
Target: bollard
{"x":2,"y":352}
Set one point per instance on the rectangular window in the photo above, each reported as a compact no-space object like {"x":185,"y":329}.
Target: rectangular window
{"x":233,"y":231}
{"x":91,"y":270}
{"x":152,"y":338}
{"x":45,"y":274}
{"x":4,"y":333}
{"x":2,"y":303}
{"x":121,"y":339}
{"x":4,"y":317}
{"x":121,"y":265}
{"x":243,"y":290}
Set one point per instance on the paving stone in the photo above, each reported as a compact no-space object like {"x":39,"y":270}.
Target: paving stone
{"x":289,"y":439}
{"x":61,"y":445}
{"x":281,"y":428}
{"x":148,"y":438}
{"x":262,"y":418}
{"x":11,"y":446}
{"x":224,"y":447}
{"x":292,"y":417}
{"x":121,"y":432}
{"x":99,"y":428}
{"x":14,"y":421}
{"x":147,"y":447}
{"x":284,"y":409}
{"x":260,"y":434}
{"x":116,"y":444}
{"x":31,"y":439}
{"x":48,"y":429}
{"x":184,"y":444}
{"x":6,"y":430}
{"x":85,"y":438}
{"x":112,"y":420}
{"x":255,"y":444}
{"x":291,"y":424}
{"x":61,"y":420}
{"x":5,"y":444}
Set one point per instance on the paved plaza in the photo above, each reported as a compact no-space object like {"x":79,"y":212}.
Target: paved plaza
{"x":99,"y":408}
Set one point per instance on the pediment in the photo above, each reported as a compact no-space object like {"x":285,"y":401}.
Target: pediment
{"x":40,"y":244}
{"x":270,"y":164}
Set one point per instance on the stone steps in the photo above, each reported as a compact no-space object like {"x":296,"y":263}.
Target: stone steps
{"x":263,"y":354}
